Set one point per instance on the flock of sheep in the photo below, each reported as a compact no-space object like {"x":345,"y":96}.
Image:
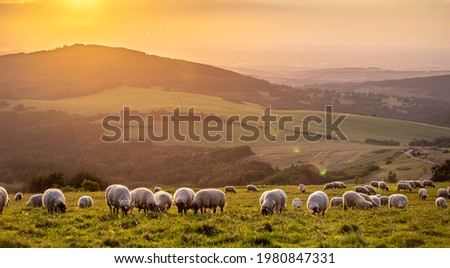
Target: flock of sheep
{"x":119,"y":197}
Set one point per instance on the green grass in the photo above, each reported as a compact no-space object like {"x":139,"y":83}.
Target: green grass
{"x":421,"y":224}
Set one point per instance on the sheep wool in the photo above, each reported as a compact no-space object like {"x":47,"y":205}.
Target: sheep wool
{"x":383,"y":185}
{"x":371,"y":189}
{"x":230,"y":189}
{"x":252,"y":188}
{"x":273,"y":201}
{"x":118,"y":197}
{"x":428,"y":183}
{"x":3,"y":199}
{"x":404,"y":186}
{"x":443,"y":193}
{"x":54,"y":200}
{"x":398,"y":201}
{"x":362,"y":189}
{"x":18,"y":196}
{"x":143,"y":198}
{"x":208,"y":198}
{"x":183,"y":198}
{"x":352,"y":199}
{"x":296,"y":203}
{"x":384,"y":200}
{"x":336,"y":201}
{"x":35,"y":201}
{"x":302,"y":188}
{"x":85,"y":202}
{"x":441,"y":202}
{"x":423,"y":193}
{"x":163,"y":201}
{"x":317,"y":203}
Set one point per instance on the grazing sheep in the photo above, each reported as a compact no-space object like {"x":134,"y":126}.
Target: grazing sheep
{"x":337,"y":185}
{"x":441,"y":203}
{"x":375,"y":184}
{"x":85,"y":201}
{"x":423,"y":193}
{"x":362,"y":189}
{"x":336,"y":201}
{"x":3,"y":199}
{"x":317,"y":203}
{"x":384,"y":200}
{"x":375,"y":200}
{"x":404,"y":186}
{"x":157,"y":189}
{"x":413,"y":185}
{"x":54,"y":200}
{"x":208,"y":198}
{"x":302,"y":188}
{"x":118,"y":197}
{"x":448,"y":190}
{"x":273,"y":201}
{"x":35,"y":201}
{"x":383,"y":185}
{"x":428,"y":183}
{"x":368,"y":199}
{"x":329,"y":185}
{"x":343,"y":186}
{"x":398,"y":201}
{"x":252,"y":188}
{"x":183,"y":197}
{"x":230,"y":189}
{"x":418,"y":184}
{"x":352,"y":199}
{"x":443,"y":193}
{"x":143,"y":198}
{"x":18,"y":196}
{"x":296,"y":203}
{"x":163,"y":201}
{"x":371,"y":189}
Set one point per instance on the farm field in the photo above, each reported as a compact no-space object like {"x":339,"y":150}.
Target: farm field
{"x":421,"y":224}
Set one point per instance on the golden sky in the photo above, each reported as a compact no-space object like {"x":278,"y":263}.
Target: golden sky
{"x":179,"y":26}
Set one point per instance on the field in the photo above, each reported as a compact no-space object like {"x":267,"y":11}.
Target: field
{"x":421,"y":224}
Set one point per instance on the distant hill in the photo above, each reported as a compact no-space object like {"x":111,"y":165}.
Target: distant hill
{"x":81,"y":70}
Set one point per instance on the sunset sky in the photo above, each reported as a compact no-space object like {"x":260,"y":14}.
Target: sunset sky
{"x":190,"y":29}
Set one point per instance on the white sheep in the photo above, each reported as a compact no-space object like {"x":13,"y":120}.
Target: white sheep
{"x":368,"y":199}
{"x":413,"y":185}
{"x":163,"y":201}
{"x":35,"y":201}
{"x":273,"y":201}
{"x":230,"y":189}
{"x":443,"y":193}
{"x":375,"y":200}
{"x":329,"y":185}
{"x":208,"y":198}
{"x":371,"y":189}
{"x":352,"y":199}
{"x":337,"y":185}
{"x":362,"y":189}
{"x":317,"y":203}
{"x":384,"y":200}
{"x":375,"y":184}
{"x":404,"y":186}
{"x":336,"y":201}
{"x":383,"y":185}
{"x":423,"y":193}
{"x":343,"y":186}
{"x":429,"y":183}
{"x":85,"y":202}
{"x":157,"y":189}
{"x":143,"y":198}
{"x":18,"y":196}
{"x":441,"y":203}
{"x":296,"y":203}
{"x":418,"y":184}
{"x":252,"y":188}
{"x":398,"y":201}
{"x":448,"y":190}
{"x":118,"y":197}
{"x":302,"y":188}
{"x":54,"y":200}
{"x":183,"y":197}
{"x":3,"y":199}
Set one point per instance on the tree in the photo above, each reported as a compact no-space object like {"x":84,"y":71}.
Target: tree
{"x":392,"y":177}
{"x":80,"y":177}
{"x":441,"y":172}
{"x":90,"y":186}
{"x":40,"y":183}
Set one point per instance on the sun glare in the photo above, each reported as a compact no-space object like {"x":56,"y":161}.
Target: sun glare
{"x":83,"y":3}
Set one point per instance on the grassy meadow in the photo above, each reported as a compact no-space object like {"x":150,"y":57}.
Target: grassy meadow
{"x":421,"y":224}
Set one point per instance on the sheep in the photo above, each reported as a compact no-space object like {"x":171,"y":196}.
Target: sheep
{"x":383,"y":185}
{"x":18,"y":196}
{"x":448,"y":190}
{"x":143,"y":198}
{"x":352,"y":199}
{"x":418,"y":184}
{"x":441,"y":203}
{"x":343,"y":186}
{"x":368,"y":199}
{"x":336,"y":201}
{"x":230,"y":189}
{"x":54,"y":200}
{"x":423,"y":193}
{"x":296,"y":203}
{"x":362,"y":189}
{"x":157,"y":189}
{"x":404,"y":186}
{"x":35,"y":201}
{"x":375,"y":200}
{"x":443,"y":193}
{"x":208,"y":198}
{"x":85,"y":202}
{"x":398,"y":201}
{"x":273,"y":201}
{"x":375,"y":184}
{"x":182,"y":198}
{"x":163,"y":201}
{"x":413,"y":185}
{"x":3,"y":199}
{"x":118,"y":197}
{"x":317,"y":203}
{"x":428,"y":183}
{"x":337,"y":185}
{"x":371,"y":189}
{"x":329,"y":185}
{"x":302,"y":188}
{"x":252,"y":188}
{"x":384,"y":200}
